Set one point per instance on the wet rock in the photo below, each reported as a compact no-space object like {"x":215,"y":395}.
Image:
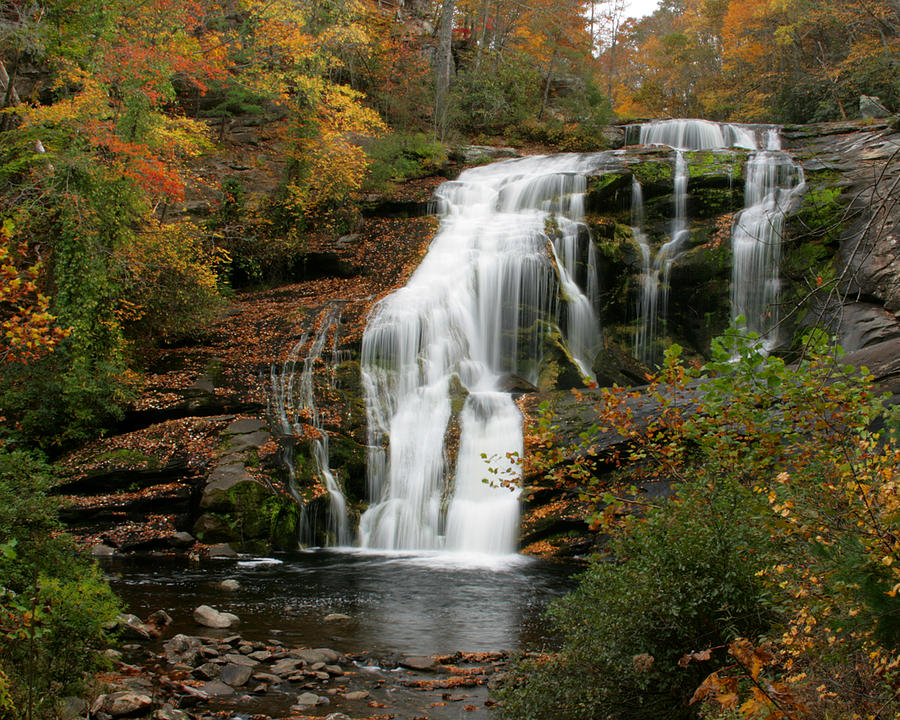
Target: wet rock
{"x":232,"y":640}
{"x":182,"y":539}
{"x":422,"y":663}
{"x":333,"y":669}
{"x":356,"y":695}
{"x":102,"y":550}
{"x":316,"y":655}
{"x":122,"y":704}
{"x":237,"y":659}
{"x":210,"y":617}
{"x":159,"y":620}
{"x":287,"y":666}
{"x":221,"y":550}
{"x":230,"y":585}
{"x":216,"y":688}
{"x":261,"y":655}
{"x":208,"y":671}
{"x":131,"y":626}
{"x":336,"y":617}
{"x":235,"y":675}
{"x":244,"y":426}
{"x":308,"y":699}
{"x":245,"y":648}
{"x":270,"y":678}
{"x":182,"y":649}
{"x":167,"y":712}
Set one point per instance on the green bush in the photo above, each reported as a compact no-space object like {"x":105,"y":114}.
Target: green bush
{"x":495,"y":96}
{"x":54,"y":605}
{"x":680,"y":580}
{"x":401,"y":156}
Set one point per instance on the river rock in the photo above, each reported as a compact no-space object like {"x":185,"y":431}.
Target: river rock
{"x":308,"y":699}
{"x":237,"y":659}
{"x":334,"y":669}
{"x":220,"y":550}
{"x":182,"y":649}
{"x":131,"y":626}
{"x":336,"y":617}
{"x":235,"y":675}
{"x":159,"y":620}
{"x":102,"y":550}
{"x":122,"y":704}
{"x":210,"y":617}
{"x":422,"y":663}
{"x":287,"y":666}
{"x":244,"y":426}
{"x":216,"y":688}
{"x":167,"y":712}
{"x":316,"y":655}
{"x":356,"y":695}
{"x":230,"y":585}
{"x":208,"y":671}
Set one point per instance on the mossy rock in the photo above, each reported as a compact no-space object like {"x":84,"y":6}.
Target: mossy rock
{"x":609,"y":194}
{"x":348,"y":461}
{"x":722,"y":165}
{"x":558,"y":369}
{"x":615,"y":366}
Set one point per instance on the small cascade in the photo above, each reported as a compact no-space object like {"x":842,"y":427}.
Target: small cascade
{"x":294,"y":406}
{"x":511,"y":263}
{"x":773,"y":181}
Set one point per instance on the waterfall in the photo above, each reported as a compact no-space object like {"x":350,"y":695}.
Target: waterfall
{"x":511,"y":263}
{"x":294,"y":405}
{"x":773,"y":181}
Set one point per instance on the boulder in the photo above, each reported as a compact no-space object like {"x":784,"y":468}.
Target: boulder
{"x":870,"y":107}
{"x":210,"y":617}
{"x":356,"y":695}
{"x":235,"y":675}
{"x":221,"y":550}
{"x":182,"y":649}
{"x":216,"y":688}
{"x":422,"y":663}
{"x":132,"y":627}
{"x":122,"y":704}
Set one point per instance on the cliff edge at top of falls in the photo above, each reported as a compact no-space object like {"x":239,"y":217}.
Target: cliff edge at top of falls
{"x":200,"y":455}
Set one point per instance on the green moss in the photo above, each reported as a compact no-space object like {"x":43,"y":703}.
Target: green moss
{"x":821,"y":216}
{"x":653,"y":172}
{"x":704,"y":163}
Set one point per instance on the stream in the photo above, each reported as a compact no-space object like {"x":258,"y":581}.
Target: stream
{"x":398,"y":603}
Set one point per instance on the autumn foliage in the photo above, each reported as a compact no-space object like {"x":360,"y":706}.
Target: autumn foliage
{"x":786,"y":502}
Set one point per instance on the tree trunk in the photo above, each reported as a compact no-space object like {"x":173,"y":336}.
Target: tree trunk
{"x":442,"y":68}
{"x":547,"y":86}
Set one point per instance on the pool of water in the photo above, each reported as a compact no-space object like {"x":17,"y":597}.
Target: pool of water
{"x":397,"y":603}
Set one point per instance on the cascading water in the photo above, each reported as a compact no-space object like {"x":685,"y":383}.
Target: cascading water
{"x":294,"y":406}
{"x":772,"y":182}
{"x":512,"y":262}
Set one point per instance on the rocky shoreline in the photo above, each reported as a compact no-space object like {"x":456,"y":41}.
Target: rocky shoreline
{"x":220,"y":673}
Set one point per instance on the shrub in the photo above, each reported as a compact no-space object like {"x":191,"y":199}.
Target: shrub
{"x":682,"y":579}
{"x":54,"y":605}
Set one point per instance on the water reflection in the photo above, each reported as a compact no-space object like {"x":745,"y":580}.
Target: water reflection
{"x":422,"y":604}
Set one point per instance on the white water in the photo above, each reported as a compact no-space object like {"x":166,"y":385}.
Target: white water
{"x":511,"y":262}
{"x":295,"y":406}
{"x":773,"y":181}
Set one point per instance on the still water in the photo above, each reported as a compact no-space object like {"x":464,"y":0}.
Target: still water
{"x":398,"y":603}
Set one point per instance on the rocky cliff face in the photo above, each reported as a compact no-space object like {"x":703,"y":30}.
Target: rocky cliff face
{"x":204,"y":455}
